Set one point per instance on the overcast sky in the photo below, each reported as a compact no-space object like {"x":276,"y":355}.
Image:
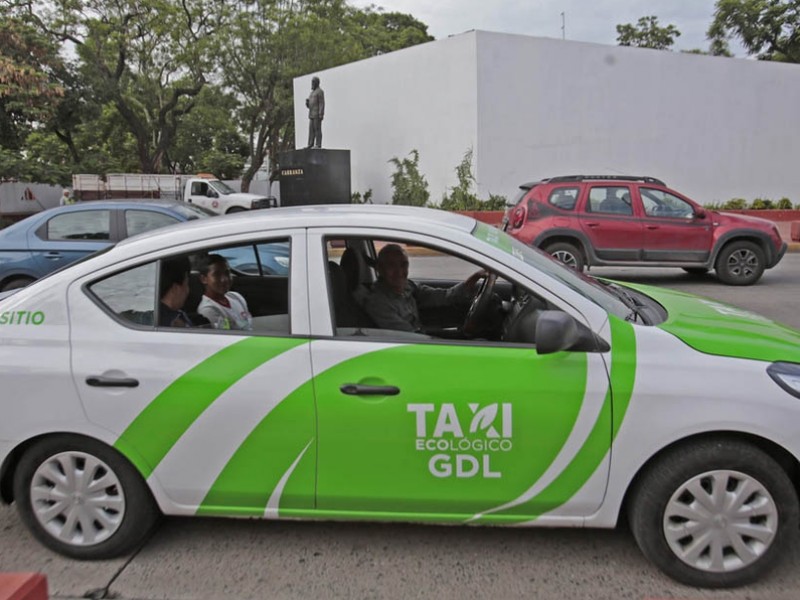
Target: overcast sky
{"x":585,"y":20}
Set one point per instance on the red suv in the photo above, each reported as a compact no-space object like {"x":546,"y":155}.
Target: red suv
{"x":638,"y":221}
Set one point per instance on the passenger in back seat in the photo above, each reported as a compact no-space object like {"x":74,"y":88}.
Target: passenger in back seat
{"x":222,"y":307}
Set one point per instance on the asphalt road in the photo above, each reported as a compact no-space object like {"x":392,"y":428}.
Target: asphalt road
{"x":218,"y":559}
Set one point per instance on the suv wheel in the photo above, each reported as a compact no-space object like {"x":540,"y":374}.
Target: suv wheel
{"x":740,"y":263}
{"x":567,"y":253}
{"x":716,"y":513}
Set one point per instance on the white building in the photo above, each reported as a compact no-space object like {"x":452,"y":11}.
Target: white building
{"x":713,"y":128}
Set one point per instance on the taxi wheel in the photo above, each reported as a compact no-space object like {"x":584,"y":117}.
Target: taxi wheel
{"x":740,"y":263}
{"x":568,"y":254}
{"x":83,"y":499}
{"x":718,"y":513}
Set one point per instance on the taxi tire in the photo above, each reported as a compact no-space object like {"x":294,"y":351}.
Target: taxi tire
{"x":141,"y":511}
{"x":671,"y":471}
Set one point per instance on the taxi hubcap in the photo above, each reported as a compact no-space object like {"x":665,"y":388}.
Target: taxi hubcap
{"x":77,"y":498}
{"x":720,"y":521}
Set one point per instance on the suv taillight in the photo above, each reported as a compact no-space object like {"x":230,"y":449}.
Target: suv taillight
{"x":518,"y":216}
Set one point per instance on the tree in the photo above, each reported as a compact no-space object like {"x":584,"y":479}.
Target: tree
{"x":148,"y":58}
{"x":409,"y":185}
{"x":270,"y":42}
{"x":647,"y":34}
{"x":30,"y":90}
{"x":208,"y":140}
{"x":768,"y":29}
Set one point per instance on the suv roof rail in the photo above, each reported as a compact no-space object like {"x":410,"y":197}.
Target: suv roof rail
{"x":643,"y":178}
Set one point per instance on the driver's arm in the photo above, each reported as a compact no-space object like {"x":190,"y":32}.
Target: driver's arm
{"x":431,"y":297}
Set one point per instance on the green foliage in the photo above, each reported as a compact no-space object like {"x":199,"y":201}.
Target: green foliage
{"x":359,"y":198}
{"x":784,"y":204}
{"x":270,"y":42}
{"x":761,"y":204}
{"x":647,"y":33}
{"x":462,"y":197}
{"x":735,"y":204}
{"x":409,"y":186}
{"x":768,"y":29}
{"x":208,"y":140}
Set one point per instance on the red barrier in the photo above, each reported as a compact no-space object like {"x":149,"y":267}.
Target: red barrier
{"x":23,"y":586}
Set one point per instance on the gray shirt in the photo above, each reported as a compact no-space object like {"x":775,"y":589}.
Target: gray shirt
{"x":391,"y":310}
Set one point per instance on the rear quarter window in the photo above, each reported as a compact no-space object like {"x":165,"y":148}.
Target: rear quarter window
{"x":564,"y":198}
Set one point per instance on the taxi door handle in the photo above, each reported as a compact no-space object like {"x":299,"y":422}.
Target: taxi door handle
{"x":593,"y":224}
{"x":99,"y":381}
{"x":355,"y":389}
{"x":652,"y":226}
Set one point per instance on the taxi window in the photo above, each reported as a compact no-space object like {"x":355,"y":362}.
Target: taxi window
{"x":131,"y":295}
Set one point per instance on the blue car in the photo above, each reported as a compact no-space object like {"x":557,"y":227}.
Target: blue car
{"x":53,"y":238}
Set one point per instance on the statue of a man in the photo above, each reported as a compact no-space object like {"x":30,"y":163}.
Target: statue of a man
{"x":316,"y":111}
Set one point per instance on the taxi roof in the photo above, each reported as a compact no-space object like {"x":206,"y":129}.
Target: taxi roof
{"x":342,"y":215}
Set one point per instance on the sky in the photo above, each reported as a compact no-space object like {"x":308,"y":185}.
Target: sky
{"x":584,"y":20}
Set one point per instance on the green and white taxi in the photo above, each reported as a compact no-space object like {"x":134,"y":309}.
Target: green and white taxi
{"x":571,"y":402}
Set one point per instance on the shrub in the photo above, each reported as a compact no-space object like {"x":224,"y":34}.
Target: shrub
{"x":409,"y":186}
{"x":462,"y":197}
{"x":359,"y":198}
{"x":761,"y":204}
{"x":735,"y":204}
{"x":784,"y":204}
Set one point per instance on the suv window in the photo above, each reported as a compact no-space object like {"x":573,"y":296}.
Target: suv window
{"x":80,"y":226}
{"x":614,"y":200}
{"x":658,"y":203}
{"x":564,"y":198}
{"x":139,"y":221}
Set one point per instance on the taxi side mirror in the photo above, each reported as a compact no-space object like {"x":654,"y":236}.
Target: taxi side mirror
{"x":700,"y":213}
{"x":557,"y":331}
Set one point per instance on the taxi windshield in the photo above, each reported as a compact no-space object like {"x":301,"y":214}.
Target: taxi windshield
{"x":585,"y":285}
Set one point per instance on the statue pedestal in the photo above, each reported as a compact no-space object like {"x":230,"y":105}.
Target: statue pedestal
{"x":314,"y":176}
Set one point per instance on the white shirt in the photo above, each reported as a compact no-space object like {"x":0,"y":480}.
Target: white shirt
{"x":223,"y":317}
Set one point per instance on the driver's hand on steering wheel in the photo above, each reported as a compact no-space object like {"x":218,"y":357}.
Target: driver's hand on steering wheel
{"x":472,"y":281}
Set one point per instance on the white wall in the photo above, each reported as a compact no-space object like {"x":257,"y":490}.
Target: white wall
{"x":713,"y":128}
{"x":423,"y":98}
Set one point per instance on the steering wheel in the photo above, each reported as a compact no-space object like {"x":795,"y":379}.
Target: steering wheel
{"x":480,"y":305}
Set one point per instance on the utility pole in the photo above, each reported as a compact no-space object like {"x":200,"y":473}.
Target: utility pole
{"x":563,"y":26}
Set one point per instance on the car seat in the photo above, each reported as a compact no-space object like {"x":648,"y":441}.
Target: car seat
{"x":346,"y":311}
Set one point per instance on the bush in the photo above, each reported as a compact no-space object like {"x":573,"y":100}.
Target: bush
{"x":735,"y":204}
{"x":409,"y":185}
{"x":359,"y":198}
{"x":784,"y":204}
{"x":462,"y":197}
{"x":761,"y":204}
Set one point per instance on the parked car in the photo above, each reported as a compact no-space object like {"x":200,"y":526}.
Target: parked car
{"x":53,"y":238}
{"x":570,"y":402}
{"x":639,"y":221}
